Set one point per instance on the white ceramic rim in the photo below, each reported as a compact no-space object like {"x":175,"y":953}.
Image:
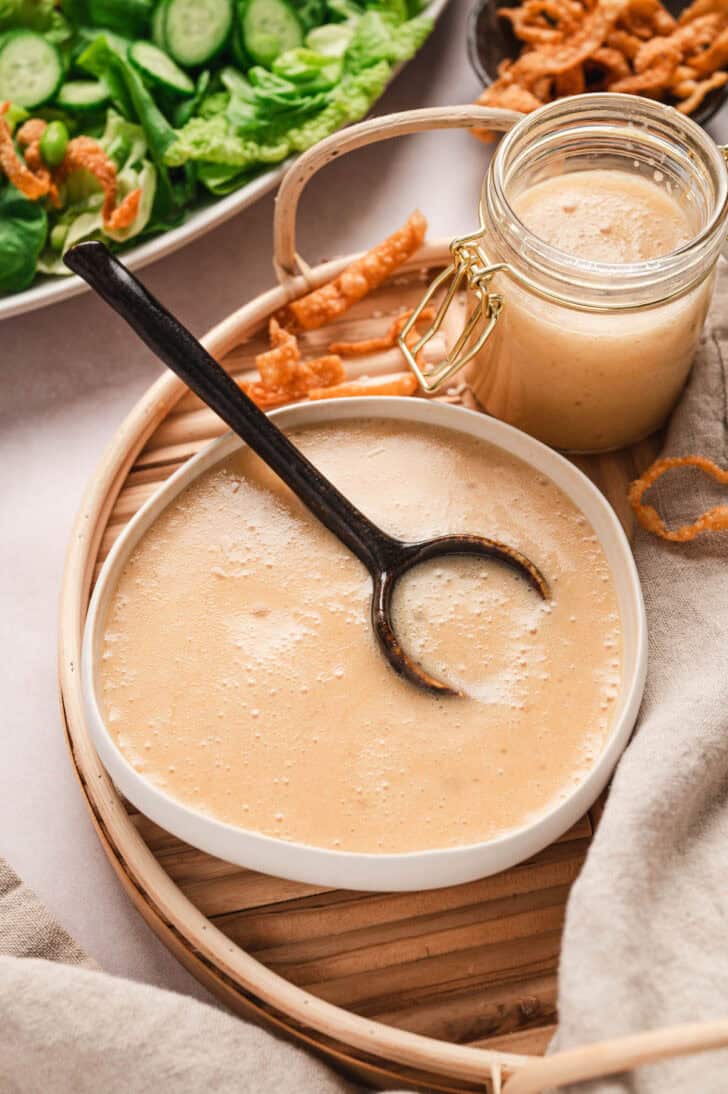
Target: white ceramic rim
{"x":53,"y":289}
{"x":355,"y":870}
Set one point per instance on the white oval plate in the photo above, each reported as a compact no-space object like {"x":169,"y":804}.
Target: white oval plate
{"x":51,"y":290}
{"x":355,"y":870}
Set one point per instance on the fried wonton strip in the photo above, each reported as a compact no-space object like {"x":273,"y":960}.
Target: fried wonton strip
{"x":700,"y":90}
{"x":655,"y":67}
{"x":713,"y":520}
{"x":32,"y":185}
{"x":277,"y":366}
{"x":265,"y":398}
{"x":703,"y":7}
{"x":571,"y":82}
{"x":325,"y":371}
{"x":715,"y":56}
{"x":612,"y":62}
{"x":397,"y":383}
{"x":625,"y":43}
{"x":364,"y":274}
{"x":509,"y":97}
{"x":295,"y":383}
{"x":377,"y":345}
{"x":84,"y":153}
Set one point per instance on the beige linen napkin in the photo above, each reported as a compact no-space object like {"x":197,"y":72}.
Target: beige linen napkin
{"x":646,"y":937}
{"x":66,"y":1028}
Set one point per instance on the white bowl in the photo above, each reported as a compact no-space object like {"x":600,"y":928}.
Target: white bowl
{"x":354,"y":870}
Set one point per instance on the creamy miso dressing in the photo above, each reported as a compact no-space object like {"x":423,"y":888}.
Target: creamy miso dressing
{"x":586,"y":380}
{"x":240,"y":675}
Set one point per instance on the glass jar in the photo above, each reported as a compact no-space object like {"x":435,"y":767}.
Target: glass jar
{"x":588,"y":356}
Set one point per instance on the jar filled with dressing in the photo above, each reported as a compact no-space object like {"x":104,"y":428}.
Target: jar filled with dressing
{"x":602,"y":221}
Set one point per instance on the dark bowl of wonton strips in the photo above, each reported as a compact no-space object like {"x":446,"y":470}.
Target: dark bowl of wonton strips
{"x":527,"y":52}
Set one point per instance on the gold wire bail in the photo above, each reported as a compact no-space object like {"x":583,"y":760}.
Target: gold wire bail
{"x":470,"y":264}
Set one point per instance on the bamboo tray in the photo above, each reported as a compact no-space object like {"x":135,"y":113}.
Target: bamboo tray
{"x":447,"y":990}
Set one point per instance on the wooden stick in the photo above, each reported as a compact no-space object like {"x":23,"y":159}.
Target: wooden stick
{"x":612,"y":1057}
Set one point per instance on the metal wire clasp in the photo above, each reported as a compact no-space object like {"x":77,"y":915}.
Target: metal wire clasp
{"x":469,"y":264}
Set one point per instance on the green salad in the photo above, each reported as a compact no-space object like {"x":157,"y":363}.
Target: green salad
{"x":118,"y":116}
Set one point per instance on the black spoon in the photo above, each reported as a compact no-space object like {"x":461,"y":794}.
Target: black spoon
{"x":385,"y":557}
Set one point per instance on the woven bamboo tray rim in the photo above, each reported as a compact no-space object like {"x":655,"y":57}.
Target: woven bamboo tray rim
{"x":165,"y":428}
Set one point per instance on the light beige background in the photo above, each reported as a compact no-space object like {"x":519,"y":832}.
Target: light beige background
{"x":68,"y":375}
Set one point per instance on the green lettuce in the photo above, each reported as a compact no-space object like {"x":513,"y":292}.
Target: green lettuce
{"x":376,"y":38}
{"x":214,"y":140}
{"x":268,"y":103}
{"x":221,"y":179}
{"x":23,"y":231}
{"x":332,"y":40}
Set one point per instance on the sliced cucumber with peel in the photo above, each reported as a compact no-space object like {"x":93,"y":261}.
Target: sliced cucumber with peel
{"x":83,"y":95}
{"x":157,"y":24}
{"x":194,"y":31}
{"x":159,"y":68}
{"x":270,"y":27}
{"x":30,"y":68}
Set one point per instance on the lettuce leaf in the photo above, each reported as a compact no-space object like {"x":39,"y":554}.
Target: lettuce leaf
{"x":23,"y":231}
{"x":214,"y":141}
{"x":332,"y":40}
{"x":376,"y":38}
{"x":221,"y":179}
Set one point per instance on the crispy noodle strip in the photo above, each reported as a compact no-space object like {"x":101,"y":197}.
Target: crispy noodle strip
{"x":697,"y":93}
{"x":322,"y":372}
{"x":29,"y":138}
{"x":715,"y":56}
{"x":714,"y":520}
{"x":396,"y":383}
{"x":284,"y":376}
{"x":612,"y":63}
{"x":377,"y":345}
{"x":655,"y":66}
{"x":629,"y":46}
{"x":364,"y":274}
{"x":277,"y":366}
{"x":32,"y":185}
{"x":84,"y":153}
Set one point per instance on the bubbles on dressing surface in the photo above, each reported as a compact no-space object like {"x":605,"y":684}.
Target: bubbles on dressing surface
{"x":239,"y":672}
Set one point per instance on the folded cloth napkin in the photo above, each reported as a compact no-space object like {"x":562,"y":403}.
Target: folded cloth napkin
{"x":66,"y":1028}
{"x":645,"y":942}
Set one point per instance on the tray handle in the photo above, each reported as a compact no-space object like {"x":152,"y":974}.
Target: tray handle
{"x":286,"y":261}
{"x":615,"y":1056}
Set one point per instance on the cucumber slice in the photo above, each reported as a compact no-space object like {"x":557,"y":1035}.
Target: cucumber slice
{"x":30,"y":68}
{"x":158,"y":18}
{"x":160,"y":69}
{"x":196,"y":30}
{"x":83,"y":95}
{"x":332,"y":40}
{"x":270,"y":27}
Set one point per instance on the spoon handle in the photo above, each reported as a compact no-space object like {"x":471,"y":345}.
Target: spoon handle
{"x":183,"y":354}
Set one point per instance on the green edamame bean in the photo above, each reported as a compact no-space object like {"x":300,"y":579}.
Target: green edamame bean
{"x":53,"y":143}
